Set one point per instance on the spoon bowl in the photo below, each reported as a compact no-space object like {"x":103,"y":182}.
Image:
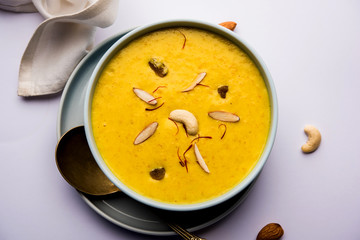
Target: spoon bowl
{"x":78,"y":166}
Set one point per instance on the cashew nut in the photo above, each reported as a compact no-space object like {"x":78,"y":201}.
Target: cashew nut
{"x":314,"y":139}
{"x":186,"y":118}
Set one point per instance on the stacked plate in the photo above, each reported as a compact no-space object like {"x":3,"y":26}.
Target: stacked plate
{"x":119,"y":208}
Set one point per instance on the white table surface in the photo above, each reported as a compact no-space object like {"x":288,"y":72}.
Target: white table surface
{"x":312,"y":49}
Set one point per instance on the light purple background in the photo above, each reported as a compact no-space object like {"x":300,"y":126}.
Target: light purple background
{"x":312,"y":49}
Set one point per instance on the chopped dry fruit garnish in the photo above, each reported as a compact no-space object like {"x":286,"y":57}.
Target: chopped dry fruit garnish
{"x":145,"y":96}
{"x":153,"y":100}
{"x":200,"y":159}
{"x":197,"y":138}
{"x":197,"y":80}
{"x":225,"y":128}
{"x":224,"y":116}
{"x":147,"y":132}
{"x":186,"y":132}
{"x":203,"y":85}
{"x":177,"y":127}
{"x":229,"y":25}
{"x":152,"y":109}
{"x":157,"y":173}
{"x":223,"y":90}
{"x":188,"y":120}
{"x":158,"y":88}
{"x":184,"y":39}
{"x":185,"y":160}
{"x":180,"y":160}
{"x":187,"y":151}
{"x":158,"y":66}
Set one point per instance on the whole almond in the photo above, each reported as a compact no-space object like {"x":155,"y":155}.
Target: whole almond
{"x":229,"y":25}
{"x":272,"y":231}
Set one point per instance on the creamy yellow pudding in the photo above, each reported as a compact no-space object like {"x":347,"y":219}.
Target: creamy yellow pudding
{"x":164,"y":64}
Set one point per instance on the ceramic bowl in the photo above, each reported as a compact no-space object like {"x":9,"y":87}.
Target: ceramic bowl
{"x":233,"y":37}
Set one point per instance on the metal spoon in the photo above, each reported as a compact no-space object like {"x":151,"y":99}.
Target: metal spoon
{"x":79,"y":168}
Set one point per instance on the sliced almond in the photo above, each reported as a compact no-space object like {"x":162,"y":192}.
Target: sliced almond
{"x":147,"y":132}
{"x":197,"y":80}
{"x":200,"y":159}
{"x":145,"y":96}
{"x":224,"y":116}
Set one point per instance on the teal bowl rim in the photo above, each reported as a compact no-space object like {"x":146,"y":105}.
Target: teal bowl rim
{"x":233,"y":37}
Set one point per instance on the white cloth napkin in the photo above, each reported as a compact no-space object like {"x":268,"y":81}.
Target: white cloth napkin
{"x":59,"y":42}
{"x":17,"y":5}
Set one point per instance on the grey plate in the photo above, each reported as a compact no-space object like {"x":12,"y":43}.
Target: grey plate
{"x":119,"y":208}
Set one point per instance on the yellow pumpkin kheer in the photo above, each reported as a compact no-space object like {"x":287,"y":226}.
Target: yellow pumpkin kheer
{"x":165,"y":64}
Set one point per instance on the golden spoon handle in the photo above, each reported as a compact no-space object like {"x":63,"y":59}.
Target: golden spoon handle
{"x":183,"y":233}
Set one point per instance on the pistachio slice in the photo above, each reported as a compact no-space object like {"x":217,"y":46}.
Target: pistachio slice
{"x":200,"y":159}
{"x":157,"y":173}
{"x":197,"y":80}
{"x":224,"y":116}
{"x":145,"y":96}
{"x":158,"y":66}
{"x":147,"y":132}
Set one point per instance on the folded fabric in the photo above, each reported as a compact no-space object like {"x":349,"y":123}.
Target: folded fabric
{"x":60,"y":42}
{"x":17,"y":5}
